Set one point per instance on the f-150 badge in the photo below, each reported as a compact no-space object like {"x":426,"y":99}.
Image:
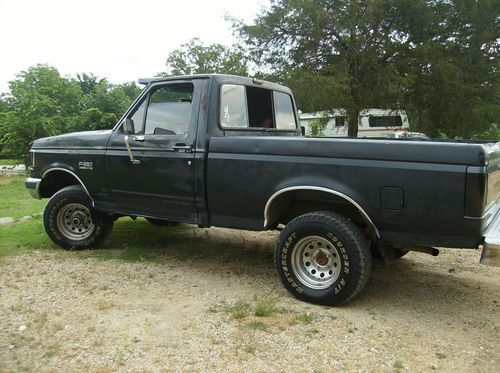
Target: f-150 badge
{"x":85,"y":165}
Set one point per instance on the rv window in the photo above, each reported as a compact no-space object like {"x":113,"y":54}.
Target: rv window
{"x":385,"y":121}
{"x":340,"y":121}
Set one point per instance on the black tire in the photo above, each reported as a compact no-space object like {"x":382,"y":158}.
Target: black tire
{"x":161,"y":222}
{"x":72,"y":223}
{"x":340,"y":260}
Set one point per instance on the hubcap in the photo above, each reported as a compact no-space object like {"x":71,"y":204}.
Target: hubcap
{"x":74,"y":221}
{"x":316,"y":262}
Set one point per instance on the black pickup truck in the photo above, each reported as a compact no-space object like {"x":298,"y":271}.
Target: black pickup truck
{"x":227,"y":151}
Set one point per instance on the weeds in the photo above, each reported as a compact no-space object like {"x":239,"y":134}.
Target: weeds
{"x":239,"y":310}
{"x":264,"y":307}
{"x":305,"y":318}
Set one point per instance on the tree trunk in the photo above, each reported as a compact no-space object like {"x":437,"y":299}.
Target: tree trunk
{"x":352,"y":120}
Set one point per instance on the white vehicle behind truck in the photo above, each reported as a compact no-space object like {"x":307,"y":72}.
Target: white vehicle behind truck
{"x":371,"y":122}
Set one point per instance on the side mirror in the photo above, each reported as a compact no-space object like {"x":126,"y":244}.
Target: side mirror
{"x":128,"y":126}
{"x":303,"y":130}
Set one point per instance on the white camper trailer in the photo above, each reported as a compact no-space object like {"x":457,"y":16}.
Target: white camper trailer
{"x":371,"y":122}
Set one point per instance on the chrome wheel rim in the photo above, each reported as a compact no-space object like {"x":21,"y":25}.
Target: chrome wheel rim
{"x":316,"y":262}
{"x":74,"y":222}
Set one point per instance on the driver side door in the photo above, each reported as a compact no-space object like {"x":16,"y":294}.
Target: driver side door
{"x":150,"y":156}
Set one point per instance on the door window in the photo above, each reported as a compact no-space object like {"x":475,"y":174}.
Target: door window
{"x":169,"y":110}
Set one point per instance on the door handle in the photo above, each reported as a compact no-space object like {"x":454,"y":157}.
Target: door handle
{"x":182,"y":146}
{"x":138,"y":138}
{"x":129,"y":151}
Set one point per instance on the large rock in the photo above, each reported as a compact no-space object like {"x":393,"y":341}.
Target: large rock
{"x":24,"y":219}
{"x":6,"y":221}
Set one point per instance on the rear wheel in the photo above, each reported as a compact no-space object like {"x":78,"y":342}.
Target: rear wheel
{"x":323,"y":258}
{"x":72,"y":223}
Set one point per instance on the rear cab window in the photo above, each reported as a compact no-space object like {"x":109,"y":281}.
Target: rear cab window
{"x":244,"y":107}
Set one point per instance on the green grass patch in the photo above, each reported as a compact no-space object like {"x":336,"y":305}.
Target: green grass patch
{"x":264,"y":307}
{"x":257,"y":325}
{"x":130,"y":240}
{"x":15,"y":200}
{"x":9,"y":162}
{"x":305,"y":318}
{"x":239,"y":310}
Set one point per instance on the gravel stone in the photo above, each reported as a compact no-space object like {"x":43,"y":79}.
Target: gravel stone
{"x":84,"y":314}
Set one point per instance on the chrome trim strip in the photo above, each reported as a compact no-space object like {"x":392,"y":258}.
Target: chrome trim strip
{"x":71,"y":173}
{"x":321,"y":189}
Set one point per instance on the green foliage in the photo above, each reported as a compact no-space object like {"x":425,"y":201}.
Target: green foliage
{"x":196,"y":58}
{"x":43,"y":103}
{"x":436,"y":59}
{"x":317,"y":126}
{"x":492,"y":133}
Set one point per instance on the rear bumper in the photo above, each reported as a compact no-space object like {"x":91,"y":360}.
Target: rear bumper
{"x":33,"y":186}
{"x":491,"y":247}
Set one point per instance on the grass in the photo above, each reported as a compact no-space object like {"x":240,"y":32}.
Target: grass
{"x":264,"y":307}
{"x":131,"y":241}
{"x":239,"y":310}
{"x":15,"y":200}
{"x":257,"y":325}
{"x":305,"y":318}
{"x":9,"y":162}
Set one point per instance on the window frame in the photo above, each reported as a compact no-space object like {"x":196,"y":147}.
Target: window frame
{"x":150,"y":93}
{"x":255,"y":129}
{"x":386,"y":116}
{"x":145,"y":96}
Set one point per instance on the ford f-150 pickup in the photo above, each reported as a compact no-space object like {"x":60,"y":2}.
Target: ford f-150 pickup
{"x":227,"y":151}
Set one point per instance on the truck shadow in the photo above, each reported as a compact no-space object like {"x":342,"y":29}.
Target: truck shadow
{"x":417,"y":284}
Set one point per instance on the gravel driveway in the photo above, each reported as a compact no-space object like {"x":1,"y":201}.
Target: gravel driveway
{"x":69,"y":311}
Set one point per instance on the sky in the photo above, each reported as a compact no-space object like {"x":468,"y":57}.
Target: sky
{"x":121,"y":40}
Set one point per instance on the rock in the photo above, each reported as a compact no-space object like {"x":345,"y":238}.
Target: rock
{"x":24,"y":219}
{"x":6,"y":221}
{"x":22,"y":328}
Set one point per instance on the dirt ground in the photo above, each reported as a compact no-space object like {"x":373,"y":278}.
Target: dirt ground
{"x":67,"y":311}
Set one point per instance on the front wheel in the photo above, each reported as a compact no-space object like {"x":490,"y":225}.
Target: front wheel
{"x":72,"y":223}
{"x":323,"y":258}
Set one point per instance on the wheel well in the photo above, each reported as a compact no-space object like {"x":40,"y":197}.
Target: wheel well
{"x":288,"y":205}
{"x":56,"y":180}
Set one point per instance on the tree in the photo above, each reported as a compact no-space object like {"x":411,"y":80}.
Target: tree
{"x":344,"y":51}
{"x":196,"y":58}
{"x":103,"y":103}
{"x":454,"y":68}
{"x":436,"y":58}
{"x":41,"y":103}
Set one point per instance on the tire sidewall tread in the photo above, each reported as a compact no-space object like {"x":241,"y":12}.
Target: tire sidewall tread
{"x":355,"y":257}
{"x":75,"y":194}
